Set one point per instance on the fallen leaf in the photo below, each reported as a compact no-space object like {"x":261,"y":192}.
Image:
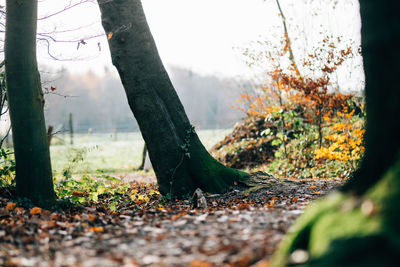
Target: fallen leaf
{"x":294,"y":200}
{"x":35,"y":210}
{"x":109,"y":35}
{"x":271,"y":203}
{"x":19,"y":210}
{"x":316,"y":193}
{"x":177,"y":216}
{"x":10,"y":206}
{"x":313,"y":186}
{"x":199,"y":263}
{"x":92,"y":217}
{"x":96,"y":229}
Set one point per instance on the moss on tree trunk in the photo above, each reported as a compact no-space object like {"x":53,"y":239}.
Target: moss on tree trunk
{"x":25,"y":100}
{"x":179,"y":159}
{"x":359,"y":226}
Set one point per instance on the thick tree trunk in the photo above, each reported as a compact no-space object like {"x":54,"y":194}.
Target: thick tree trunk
{"x":380,"y":30}
{"x":179,"y":159}
{"x":25,"y":98}
{"x":359,"y":226}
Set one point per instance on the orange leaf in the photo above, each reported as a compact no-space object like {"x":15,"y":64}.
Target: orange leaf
{"x":271,"y":203}
{"x":294,"y":200}
{"x":316,"y":193}
{"x":313,"y":186}
{"x":35,"y":210}
{"x":91,"y":217}
{"x":96,"y":229}
{"x":109,"y":35}
{"x":10,"y":206}
{"x":177,"y":216}
{"x":199,"y":263}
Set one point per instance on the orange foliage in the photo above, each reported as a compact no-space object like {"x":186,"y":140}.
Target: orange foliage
{"x":288,"y":90}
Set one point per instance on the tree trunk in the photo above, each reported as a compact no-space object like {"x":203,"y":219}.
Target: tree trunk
{"x":144,"y":153}
{"x":380,"y":30}
{"x":359,"y":226}
{"x":25,"y":98}
{"x":179,"y":159}
{"x":287,"y":40}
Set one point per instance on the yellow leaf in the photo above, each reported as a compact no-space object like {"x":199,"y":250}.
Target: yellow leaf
{"x":153,"y":192}
{"x":316,"y":193}
{"x":313,"y":186}
{"x":35,"y":210}
{"x":109,"y":35}
{"x":271,"y":203}
{"x":10,"y":206}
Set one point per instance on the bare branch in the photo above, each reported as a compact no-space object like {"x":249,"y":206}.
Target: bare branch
{"x":67,"y":8}
{"x":69,"y":41}
{"x":47,"y":42}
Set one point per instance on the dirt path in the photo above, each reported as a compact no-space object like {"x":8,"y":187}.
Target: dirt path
{"x":235,"y":229}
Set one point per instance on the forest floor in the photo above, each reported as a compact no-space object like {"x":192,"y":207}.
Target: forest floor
{"x":235,"y":229}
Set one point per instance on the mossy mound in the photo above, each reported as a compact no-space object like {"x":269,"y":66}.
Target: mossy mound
{"x":347,"y":230}
{"x":248,"y":145}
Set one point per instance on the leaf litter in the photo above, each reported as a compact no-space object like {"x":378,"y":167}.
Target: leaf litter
{"x":143,"y":228}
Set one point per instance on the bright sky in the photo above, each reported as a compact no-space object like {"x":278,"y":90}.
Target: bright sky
{"x":197,"y":34}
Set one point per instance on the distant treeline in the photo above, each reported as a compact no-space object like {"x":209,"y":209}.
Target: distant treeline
{"x":99,"y":102}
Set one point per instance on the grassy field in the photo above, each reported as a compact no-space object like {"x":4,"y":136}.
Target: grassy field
{"x":111,"y":153}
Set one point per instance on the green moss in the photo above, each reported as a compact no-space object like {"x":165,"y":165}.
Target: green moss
{"x":344,"y":230}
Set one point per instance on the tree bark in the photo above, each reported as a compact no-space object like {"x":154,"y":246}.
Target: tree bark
{"x":359,"y":226}
{"x":144,"y":153}
{"x":179,"y":159}
{"x":380,"y":30}
{"x":25,"y":98}
{"x":287,"y":40}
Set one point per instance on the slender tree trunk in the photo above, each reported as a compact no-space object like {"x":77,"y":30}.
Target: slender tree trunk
{"x":179,"y":159}
{"x":71,"y":129}
{"x":287,"y":40}
{"x":144,"y":153}
{"x":359,"y":226}
{"x":25,"y":98}
{"x":50,"y":134}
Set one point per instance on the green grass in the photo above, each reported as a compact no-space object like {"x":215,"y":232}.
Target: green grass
{"x":120,"y":153}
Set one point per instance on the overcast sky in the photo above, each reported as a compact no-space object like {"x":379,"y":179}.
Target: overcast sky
{"x":196,"y":34}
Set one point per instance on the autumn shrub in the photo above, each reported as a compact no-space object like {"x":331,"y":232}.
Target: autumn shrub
{"x":7,"y":168}
{"x":315,"y":130}
{"x":345,"y":140}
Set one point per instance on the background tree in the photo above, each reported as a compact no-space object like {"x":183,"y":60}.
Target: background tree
{"x":25,"y":100}
{"x":179,"y":159}
{"x":359,"y":225}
